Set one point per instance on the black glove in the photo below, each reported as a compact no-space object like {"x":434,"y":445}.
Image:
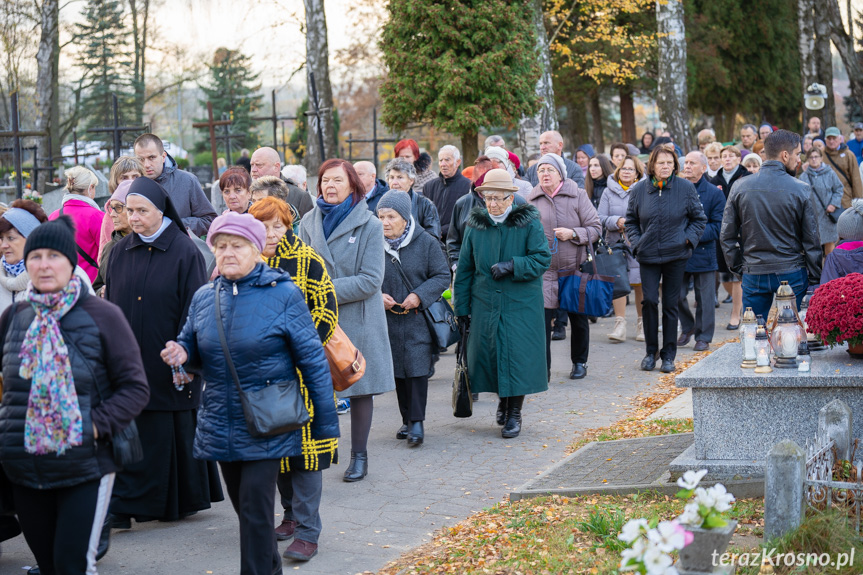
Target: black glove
{"x":463,"y":322}
{"x":501,"y":269}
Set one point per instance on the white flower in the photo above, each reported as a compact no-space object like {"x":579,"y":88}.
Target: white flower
{"x":690,"y":515}
{"x":722,"y":498}
{"x":656,"y":562}
{"x":635,"y":552}
{"x":705,"y":497}
{"x":633,"y":529}
{"x":690,"y":479}
{"x":667,"y":537}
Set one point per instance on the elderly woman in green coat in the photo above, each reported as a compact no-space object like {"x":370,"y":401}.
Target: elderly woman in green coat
{"x":498,"y":293}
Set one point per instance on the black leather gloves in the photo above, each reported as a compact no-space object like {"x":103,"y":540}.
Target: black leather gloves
{"x":501,"y":269}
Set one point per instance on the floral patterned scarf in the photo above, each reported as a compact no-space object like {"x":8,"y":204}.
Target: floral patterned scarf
{"x":53,"y":422}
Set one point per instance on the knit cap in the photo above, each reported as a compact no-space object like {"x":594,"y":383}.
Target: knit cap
{"x":121,"y":192}
{"x":850,"y":224}
{"x":497,"y":153}
{"x":396,"y":200}
{"x":555,"y":162}
{"x":56,"y":235}
{"x":242,"y":225}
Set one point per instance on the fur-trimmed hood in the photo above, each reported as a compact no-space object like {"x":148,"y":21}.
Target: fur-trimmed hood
{"x":519,"y":217}
{"x":423,"y":163}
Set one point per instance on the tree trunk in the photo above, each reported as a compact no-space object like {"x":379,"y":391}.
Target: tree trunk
{"x":806,"y":47}
{"x":318,"y":63}
{"x":469,"y":149}
{"x":596,"y":137}
{"x":140,"y":13}
{"x":47,"y":84}
{"x":673,"y":95}
{"x":824,"y":59}
{"x":530,"y":127}
{"x":849,"y":57}
{"x":627,"y":115}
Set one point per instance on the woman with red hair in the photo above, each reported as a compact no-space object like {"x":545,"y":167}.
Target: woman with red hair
{"x":409,"y":150}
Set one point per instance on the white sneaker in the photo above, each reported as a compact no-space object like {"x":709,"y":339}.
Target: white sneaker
{"x":639,"y":330}
{"x":618,"y":334}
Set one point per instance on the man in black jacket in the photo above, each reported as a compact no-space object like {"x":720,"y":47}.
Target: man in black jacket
{"x":772,"y":216}
{"x":551,"y":142}
{"x":449,"y":186}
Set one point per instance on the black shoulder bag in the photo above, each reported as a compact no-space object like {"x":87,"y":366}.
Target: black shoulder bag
{"x":439,"y":317}
{"x":275,"y":409}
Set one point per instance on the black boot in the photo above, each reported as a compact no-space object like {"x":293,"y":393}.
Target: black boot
{"x":415,"y":434}
{"x":358,"y":467}
{"x":104,"y":538}
{"x":501,"y":411}
{"x":402,"y":433}
{"x":513,"y":417}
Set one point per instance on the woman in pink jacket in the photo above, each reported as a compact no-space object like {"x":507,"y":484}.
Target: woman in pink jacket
{"x":78,"y":204}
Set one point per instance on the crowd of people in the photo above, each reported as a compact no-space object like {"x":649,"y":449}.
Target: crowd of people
{"x":139,"y":333}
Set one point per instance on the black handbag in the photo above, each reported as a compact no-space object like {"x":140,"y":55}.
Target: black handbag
{"x":462,"y":400}
{"x":611,"y":261}
{"x":439,"y":317}
{"x":275,"y":409}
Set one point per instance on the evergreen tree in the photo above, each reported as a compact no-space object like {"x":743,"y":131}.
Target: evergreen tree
{"x":104,"y":57}
{"x":734,"y":65}
{"x":459,"y":65}
{"x":233,"y":90}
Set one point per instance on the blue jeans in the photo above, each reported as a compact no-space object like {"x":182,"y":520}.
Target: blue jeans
{"x":759,"y":289}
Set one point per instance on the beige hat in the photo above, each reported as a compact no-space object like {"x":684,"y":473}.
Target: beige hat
{"x":497,"y":180}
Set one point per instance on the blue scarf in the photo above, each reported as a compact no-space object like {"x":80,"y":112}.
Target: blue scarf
{"x":334,"y":214}
{"x":13,"y":270}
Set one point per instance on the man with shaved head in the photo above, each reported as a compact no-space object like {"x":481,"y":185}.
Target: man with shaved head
{"x":551,"y":142}
{"x":373,"y":186}
{"x":266,"y":162}
{"x":702,"y":266}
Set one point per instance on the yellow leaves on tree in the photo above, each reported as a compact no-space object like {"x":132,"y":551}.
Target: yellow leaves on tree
{"x":603,"y":39}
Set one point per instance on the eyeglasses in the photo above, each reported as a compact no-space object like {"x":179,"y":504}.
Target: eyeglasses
{"x":542,"y":171}
{"x":117,"y":208}
{"x":496,"y":199}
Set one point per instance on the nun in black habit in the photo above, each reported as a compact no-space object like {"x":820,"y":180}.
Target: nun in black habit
{"x":152,"y":275}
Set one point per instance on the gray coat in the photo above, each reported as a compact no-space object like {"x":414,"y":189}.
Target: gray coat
{"x":354,"y":256}
{"x":425,"y":266}
{"x":827,"y":190}
{"x":187,"y":196}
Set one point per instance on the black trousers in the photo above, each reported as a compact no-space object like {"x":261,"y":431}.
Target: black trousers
{"x":579,"y":342}
{"x":671,"y":276}
{"x":412,"y":393}
{"x":62,"y":526}
{"x":300,"y":492}
{"x":252,"y":489}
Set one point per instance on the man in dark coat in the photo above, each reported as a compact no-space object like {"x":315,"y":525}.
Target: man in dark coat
{"x":450,"y":185}
{"x":169,"y":483}
{"x":266,"y":162}
{"x":374,"y":187}
{"x":183,"y":188}
{"x":701,"y":267}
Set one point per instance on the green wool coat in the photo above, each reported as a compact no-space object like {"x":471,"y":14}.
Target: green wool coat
{"x":506,"y":346}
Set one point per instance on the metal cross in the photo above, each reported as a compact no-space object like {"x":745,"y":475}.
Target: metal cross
{"x":211,"y":124}
{"x":227,"y":136}
{"x":275,"y":119}
{"x":16,"y":134}
{"x":374,"y":141}
{"x":316,"y":114}
{"x":117,"y":130}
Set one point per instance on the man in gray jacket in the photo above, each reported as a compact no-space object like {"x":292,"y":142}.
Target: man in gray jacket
{"x":183,"y":187}
{"x":769,"y":232}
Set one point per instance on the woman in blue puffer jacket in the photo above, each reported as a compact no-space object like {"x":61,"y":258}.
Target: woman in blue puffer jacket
{"x":270,"y":336}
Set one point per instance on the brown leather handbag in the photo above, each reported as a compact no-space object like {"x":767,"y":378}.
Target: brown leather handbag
{"x":347,"y":364}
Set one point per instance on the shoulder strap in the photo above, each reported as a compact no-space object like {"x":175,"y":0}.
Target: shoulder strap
{"x":81,"y":252}
{"x":222,"y":339}
{"x":838,"y":169}
{"x":402,"y":273}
